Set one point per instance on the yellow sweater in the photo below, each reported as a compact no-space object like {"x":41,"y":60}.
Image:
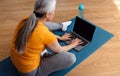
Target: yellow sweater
{"x":38,"y":40}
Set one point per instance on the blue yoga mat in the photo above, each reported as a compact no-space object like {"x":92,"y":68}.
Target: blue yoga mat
{"x":100,"y":37}
{"x":7,"y":68}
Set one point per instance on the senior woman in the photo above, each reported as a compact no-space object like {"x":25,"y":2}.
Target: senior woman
{"x":32,"y":37}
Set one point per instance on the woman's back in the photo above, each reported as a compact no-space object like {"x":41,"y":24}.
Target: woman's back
{"x":38,"y":40}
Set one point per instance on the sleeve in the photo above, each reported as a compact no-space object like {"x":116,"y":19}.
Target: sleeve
{"x":50,"y":38}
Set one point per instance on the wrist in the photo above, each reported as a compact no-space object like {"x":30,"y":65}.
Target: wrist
{"x":59,"y":37}
{"x":72,"y":46}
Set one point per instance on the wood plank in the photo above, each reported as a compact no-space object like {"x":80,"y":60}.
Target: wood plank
{"x":104,"y":13}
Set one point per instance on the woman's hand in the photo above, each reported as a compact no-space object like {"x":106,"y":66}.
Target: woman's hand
{"x":76,"y":42}
{"x":56,"y":47}
{"x":65,"y":37}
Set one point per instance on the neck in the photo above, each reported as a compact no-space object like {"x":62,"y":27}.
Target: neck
{"x":43,"y":19}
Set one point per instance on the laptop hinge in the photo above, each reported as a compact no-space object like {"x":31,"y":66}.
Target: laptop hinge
{"x":80,"y":36}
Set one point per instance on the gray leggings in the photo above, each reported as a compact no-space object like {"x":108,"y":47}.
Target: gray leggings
{"x":52,"y":62}
{"x":54,"y":26}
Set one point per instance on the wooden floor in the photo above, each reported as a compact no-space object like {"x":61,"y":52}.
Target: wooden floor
{"x":104,"y":13}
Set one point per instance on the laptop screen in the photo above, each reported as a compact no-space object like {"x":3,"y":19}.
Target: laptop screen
{"x":84,"y":29}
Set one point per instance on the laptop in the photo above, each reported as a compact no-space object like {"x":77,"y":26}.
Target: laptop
{"x":82,"y":30}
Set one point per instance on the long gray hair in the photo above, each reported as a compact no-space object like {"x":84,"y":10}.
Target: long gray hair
{"x":40,"y":9}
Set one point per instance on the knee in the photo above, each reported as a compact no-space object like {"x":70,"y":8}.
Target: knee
{"x":69,"y":58}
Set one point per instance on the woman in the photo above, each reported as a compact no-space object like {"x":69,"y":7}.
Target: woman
{"x":32,"y":37}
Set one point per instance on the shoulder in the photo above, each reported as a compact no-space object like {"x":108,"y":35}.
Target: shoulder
{"x":41,"y":28}
{"x":42,"y":31}
{"x":45,"y":33}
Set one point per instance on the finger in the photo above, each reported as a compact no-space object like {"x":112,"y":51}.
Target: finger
{"x":78,"y":39}
{"x":70,"y":39}
{"x":80,"y":42}
{"x":68,"y":34}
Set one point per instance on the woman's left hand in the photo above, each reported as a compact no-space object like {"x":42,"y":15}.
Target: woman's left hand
{"x":65,"y":37}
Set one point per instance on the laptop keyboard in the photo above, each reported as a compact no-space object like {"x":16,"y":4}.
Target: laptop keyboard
{"x":75,"y":36}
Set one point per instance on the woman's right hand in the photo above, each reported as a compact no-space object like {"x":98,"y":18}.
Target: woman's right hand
{"x":56,"y":47}
{"x":76,"y":42}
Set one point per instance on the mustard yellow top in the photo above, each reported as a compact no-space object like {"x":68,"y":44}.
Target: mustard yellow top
{"x":38,"y":40}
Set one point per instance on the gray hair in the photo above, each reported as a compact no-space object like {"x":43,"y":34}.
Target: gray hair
{"x":41,"y":8}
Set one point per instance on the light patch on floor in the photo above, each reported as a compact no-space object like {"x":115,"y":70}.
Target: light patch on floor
{"x":118,"y":34}
{"x":117,"y":2}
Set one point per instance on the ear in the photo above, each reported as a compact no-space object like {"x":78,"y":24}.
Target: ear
{"x":47,"y":15}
